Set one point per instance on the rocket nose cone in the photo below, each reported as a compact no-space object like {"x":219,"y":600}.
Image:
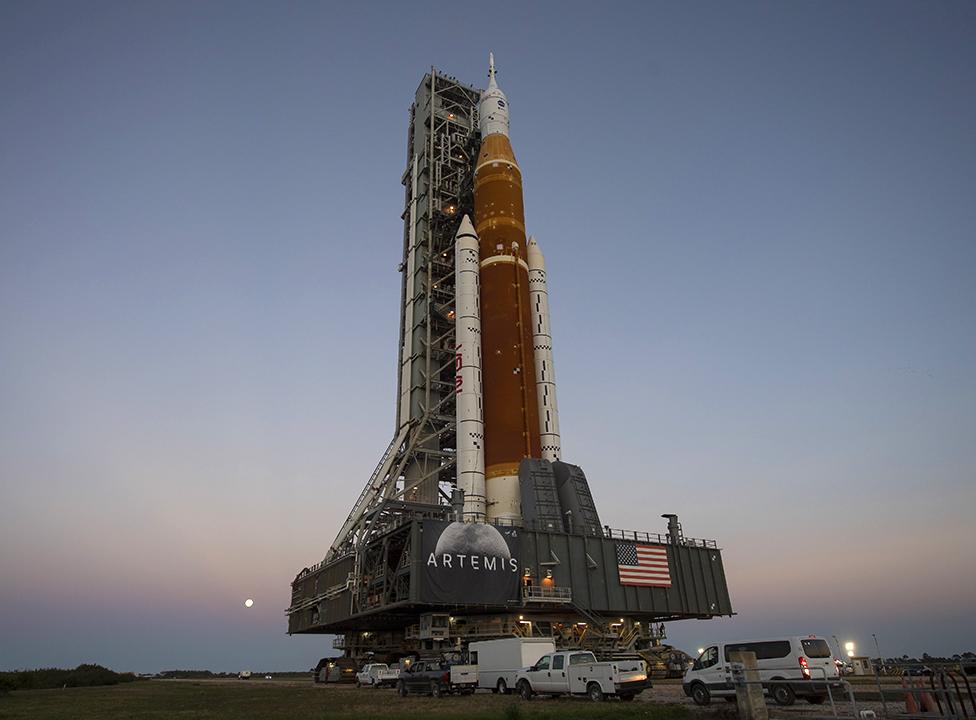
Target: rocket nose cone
{"x":491,"y":70}
{"x":535,"y":253}
{"x":465,"y":227}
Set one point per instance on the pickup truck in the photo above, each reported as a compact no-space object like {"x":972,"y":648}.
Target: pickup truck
{"x":377,"y":675}
{"x":577,"y":672}
{"x":432,"y":677}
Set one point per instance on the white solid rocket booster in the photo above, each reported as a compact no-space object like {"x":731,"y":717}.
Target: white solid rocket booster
{"x":545,"y":376}
{"x":467,"y":361}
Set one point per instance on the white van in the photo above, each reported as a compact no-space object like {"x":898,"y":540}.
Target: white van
{"x":789,"y":668}
{"x":499,"y":661}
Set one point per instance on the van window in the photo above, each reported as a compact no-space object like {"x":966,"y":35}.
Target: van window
{"x":709,"y":657}
{"x":557,"y":662}
{"x":815,"y":648}
{"x":772,"y":650}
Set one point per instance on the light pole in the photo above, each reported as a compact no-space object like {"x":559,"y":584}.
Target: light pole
{"x":881,"y":662}
{"x":840,"y":651}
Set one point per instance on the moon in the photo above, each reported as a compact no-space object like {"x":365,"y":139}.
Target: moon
{"x":472,"y":539}
{"x":248,"y":603}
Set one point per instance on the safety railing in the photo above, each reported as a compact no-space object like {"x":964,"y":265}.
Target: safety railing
{"x":944,"y":695}
{"x":606,"y":531}
{"x":543,"y":594}
{"x":816,"y":683}
{"x":948,"y":694}
{"x":641,"y":536}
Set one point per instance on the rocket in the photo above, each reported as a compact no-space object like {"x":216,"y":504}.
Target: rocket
{"x":545,"y":374}
{"x":467,"y":367}
{"x":506,"y":402}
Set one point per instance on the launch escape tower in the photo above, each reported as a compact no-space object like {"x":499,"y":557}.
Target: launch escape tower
{"x":403,"y":575}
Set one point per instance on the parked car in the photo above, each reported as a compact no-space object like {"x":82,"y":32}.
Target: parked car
{"x":789,"y":667}
{"x":244,"y":675}
{"x":335,"y":669}
{"x":578,"y":673}
{"x":377,"y":675}
{"x":918,"y":670}
{"x":437,"y":678}
{"x":343,"y":670}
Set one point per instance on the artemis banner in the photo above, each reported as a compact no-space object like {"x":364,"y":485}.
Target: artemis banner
{"x":470,"y":563}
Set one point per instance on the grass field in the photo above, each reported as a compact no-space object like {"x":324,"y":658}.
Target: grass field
{"x":216,"y":700}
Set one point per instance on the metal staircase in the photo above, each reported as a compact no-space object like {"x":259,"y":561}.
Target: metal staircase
{"x":378,"y":481}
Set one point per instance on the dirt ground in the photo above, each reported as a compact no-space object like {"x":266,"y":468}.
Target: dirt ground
{"x":260,"y":699}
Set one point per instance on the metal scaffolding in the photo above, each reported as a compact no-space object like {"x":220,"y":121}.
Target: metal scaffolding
{"x":418,"y":466}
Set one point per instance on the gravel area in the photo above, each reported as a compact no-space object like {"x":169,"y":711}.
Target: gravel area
{"x":672,"y":694}
{"x":664,"y":692}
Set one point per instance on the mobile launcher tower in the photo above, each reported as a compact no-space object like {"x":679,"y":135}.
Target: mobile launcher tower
{"x":472,"y":526}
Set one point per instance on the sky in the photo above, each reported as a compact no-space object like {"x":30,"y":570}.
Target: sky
{"x":758,"y":221}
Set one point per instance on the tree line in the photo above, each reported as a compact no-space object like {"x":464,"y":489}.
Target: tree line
{"x":86,"y":675}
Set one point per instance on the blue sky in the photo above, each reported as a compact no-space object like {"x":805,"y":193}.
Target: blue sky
{"x":758,"y":220}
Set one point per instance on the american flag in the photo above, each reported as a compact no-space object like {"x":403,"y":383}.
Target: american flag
{"x":643,"y":565}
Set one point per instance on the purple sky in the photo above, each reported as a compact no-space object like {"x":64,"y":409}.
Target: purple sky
{"x":758,"y":220}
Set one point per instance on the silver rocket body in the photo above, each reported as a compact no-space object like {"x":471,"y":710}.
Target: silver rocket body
{"x":545,"y":374}
{"x":470,"y":414}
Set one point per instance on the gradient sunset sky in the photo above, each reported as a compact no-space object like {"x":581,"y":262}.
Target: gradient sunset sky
{"x":759,"y":221}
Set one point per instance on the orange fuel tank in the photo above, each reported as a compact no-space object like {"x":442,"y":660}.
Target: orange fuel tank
{"x":511,"y":411}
